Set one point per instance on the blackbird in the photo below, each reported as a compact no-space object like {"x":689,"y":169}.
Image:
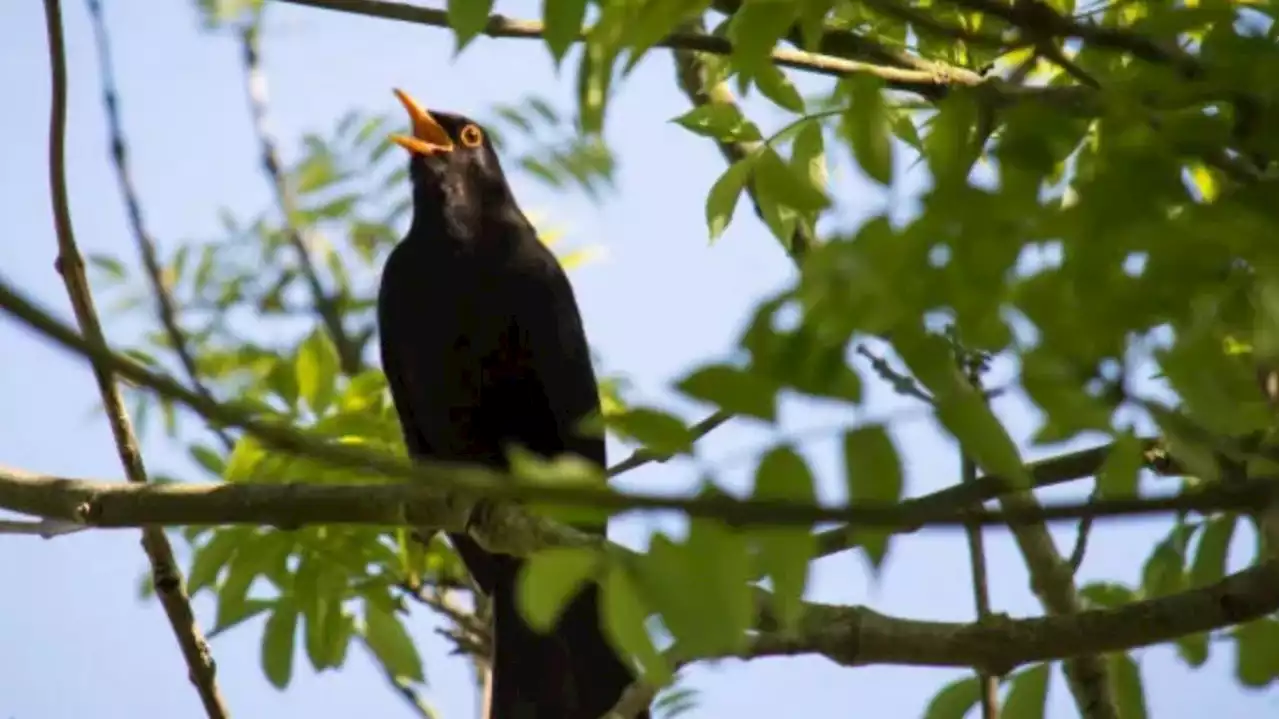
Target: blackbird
{"x":483,"y":348}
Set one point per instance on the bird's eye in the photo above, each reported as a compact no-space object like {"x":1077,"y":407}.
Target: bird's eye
{"x":471,"y":136}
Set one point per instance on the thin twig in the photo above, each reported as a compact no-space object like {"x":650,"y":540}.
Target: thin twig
{"x":1082,"y":540}
{"x":326,"y":308}
{"x":973,"y":365}
{"x":166,"y":312}
{"x":644,"y":456}
{"x":165,"y":575}
{"x":402,"y":687}
{"x":902,"y":384}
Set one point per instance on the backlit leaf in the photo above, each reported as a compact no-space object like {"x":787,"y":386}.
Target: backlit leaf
{"x":549,"y":579}
{"x":785,"y":551}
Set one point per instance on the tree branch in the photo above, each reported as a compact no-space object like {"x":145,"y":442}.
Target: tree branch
{"x":644,"y":456}
{"x":694,"y":78}
{"x":849,"y":636}
{"x":453,"y":489}
{"x":166,"y":312}
{"x":326,"y":308}
{"x":443,"y":496}
{"x":165,"y":575}
{"x":1045,"y":473}
{"x":924,"y":81}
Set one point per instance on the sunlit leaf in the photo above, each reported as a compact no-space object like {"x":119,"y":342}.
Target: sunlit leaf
{"x":277,"y":644}
{"x":468,"y":19}
{"x":390,"y":643}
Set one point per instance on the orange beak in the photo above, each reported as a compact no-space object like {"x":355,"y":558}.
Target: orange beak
{"x":428,"y":138}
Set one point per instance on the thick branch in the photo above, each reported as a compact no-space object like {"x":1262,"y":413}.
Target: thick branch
{"x":849,"y":636}
{"x":856,"y":636}
{"x":165,"y":575}
{"x":443,"y":496}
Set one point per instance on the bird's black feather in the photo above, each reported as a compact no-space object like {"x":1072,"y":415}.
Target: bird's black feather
{"x":483,"y":347}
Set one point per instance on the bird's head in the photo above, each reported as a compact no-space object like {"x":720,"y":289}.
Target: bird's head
{"x":452,"y":163}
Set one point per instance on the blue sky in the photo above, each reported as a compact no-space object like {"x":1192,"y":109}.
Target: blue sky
{"x":76,"y":640}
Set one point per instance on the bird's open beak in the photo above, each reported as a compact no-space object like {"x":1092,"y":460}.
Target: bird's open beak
{"x":429,"y":137}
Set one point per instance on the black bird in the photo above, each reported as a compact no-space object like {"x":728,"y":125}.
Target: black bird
{"x":483,"y":347}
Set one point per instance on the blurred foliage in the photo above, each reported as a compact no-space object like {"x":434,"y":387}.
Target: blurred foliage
{"x":1115,"y":246}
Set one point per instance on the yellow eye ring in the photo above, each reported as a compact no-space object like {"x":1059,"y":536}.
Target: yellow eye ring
{"x":471,"y":136}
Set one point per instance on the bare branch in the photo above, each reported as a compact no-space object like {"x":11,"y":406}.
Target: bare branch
{"x":326,"y":306}
{"x":166,"y":312}
{"x":165,"y":575}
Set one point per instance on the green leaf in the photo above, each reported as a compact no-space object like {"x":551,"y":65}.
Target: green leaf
{"x":562,"y":25}
{"x":624,"y":620}
{"x":549,"y":579}
{"x":316,"y":367}
{"x":754,"y":30}
{"x":260,"y":553}
{"x":566,"y":470}
{"x":315,"y":172}
{"x":1256,"y":652}
{"x":1164,"y":571}
{"x":468,"y":18}
{"x":245,"y":611}
{"x":213,"y":555}
{"x":1027,"y":695}
{"x":1193,"y":648}
{"x":1107,"y":595}
{"x":665,"y":576}
{"x":277,"y":644}
{"x":658,"y":431}
{"x":718,"y":556}
{"x":961,"y":409}
{"x":785,"y":552}
{"x":595,"y":70}
{"x":873,"y":473}
{"x":866,"y":125}
{"x":390,"y":643}
{"x":210,"y":460}
{"x":776,"y":180}
{"x":721,"y":121}
{"x":775,"y":85}
{"x":734,"y":390}
{"x":109,"y":266}
{"x":232,"y":593}
{"x":722,"y":199}
{"x":1118,"y":476}
{"x":245,"y":459}
{"x":655,"y":20}
{"x":1131,"y":702}
{"x":1210,"y":563}
{"x":954,"y":700}
{"x":808,"y":154}
{"x":949,"y":147}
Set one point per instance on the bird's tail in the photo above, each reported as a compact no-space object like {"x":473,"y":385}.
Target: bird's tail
{"x":570,"y":673}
